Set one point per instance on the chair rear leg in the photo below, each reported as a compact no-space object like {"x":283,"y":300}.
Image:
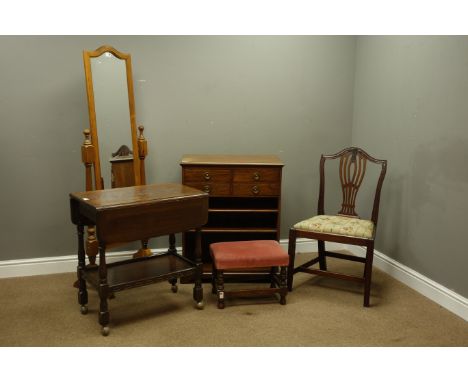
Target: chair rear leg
{"x":283,"y":288}
{"x":292,"y":256}
{"x":321,"y":255}
{"x":368,"y":273}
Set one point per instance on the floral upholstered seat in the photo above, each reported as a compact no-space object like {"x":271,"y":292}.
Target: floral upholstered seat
{"x":338,"y":225}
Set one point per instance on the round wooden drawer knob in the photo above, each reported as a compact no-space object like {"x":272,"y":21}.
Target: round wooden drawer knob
{"x":207,"y":189}
{"x":207,"y":176}
{"x":256,"y":176}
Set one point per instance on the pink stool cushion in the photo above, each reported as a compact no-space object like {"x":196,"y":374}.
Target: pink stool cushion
{"x":248,"y":254}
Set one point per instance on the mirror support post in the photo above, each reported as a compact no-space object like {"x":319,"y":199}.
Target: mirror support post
{"x":87,"y":157}
{"x":142,"y":153}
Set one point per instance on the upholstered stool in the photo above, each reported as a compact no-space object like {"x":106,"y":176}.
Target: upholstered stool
{"x":249,"y":255}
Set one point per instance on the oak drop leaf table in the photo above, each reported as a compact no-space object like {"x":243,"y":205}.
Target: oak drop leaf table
{"x":137,"y":213}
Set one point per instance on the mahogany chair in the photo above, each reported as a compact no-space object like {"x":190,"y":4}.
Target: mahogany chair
{"x":345,"y":227}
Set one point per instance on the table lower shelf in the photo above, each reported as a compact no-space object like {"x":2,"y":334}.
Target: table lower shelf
{"x":142,"y":271}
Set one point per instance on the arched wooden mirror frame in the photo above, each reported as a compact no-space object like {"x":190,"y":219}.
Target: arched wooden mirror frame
{"x":90,"y":150}
{"x":90,"y":147}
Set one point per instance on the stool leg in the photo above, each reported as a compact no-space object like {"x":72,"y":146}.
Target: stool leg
{"x":213,"y":279}
{"x":273,"y":272}
{"x":283,"y":286}
{"x":220,"y":288}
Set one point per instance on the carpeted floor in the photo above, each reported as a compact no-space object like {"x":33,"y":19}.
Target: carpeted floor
{"x":43,"y":311}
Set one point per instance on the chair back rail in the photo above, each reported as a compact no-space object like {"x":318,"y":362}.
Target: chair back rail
{"x":352,"y":169}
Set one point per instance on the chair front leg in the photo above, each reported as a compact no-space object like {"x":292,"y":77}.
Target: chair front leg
{"x":368,"y":273}
{"x":321,"y":255}
{"x":292,"y":256}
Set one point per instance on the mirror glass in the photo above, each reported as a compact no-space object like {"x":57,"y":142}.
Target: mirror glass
{"x":112,"y":110}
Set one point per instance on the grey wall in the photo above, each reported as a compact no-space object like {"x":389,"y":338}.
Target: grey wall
{"x":411,"y":108}
{"x":401,"y":98}
{"x":290,"y":96}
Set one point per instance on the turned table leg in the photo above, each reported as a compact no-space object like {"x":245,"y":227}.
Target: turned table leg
{"x":91,"y":246}
{"x":103,"y":291}
{"x":82,"y":292}
{"x":173,"y":251}
{"x":172,"y":246}
{"x":91,"y":250}
{"x":198,"y":288}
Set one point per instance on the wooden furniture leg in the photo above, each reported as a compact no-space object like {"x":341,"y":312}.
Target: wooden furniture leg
{"x":87,"y":157}
{"x":368,"y":273}
{"x":172,"y":246}
{"x":198,"y":288}
{"x":321,"y":255}
{"x":173,"y":251}
{"x":103,"y":291}
{"x":92,"y":247}
{"x":273,"y":273}
{"x":282,"y":285}
{"x":91,"y":251}
{"x":214,"y":274}
{"x":292,"y":255}
{"x":82,"y":292}
{"x":220,"y":288}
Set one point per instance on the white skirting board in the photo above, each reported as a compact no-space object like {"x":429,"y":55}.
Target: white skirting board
{"x":49,"y":265}
{"x":62,"y":264}
{"x":436,"y":292}
{"x":427,"y":287}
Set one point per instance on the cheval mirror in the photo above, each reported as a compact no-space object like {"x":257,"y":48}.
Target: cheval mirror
{"x":112,"y":152}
